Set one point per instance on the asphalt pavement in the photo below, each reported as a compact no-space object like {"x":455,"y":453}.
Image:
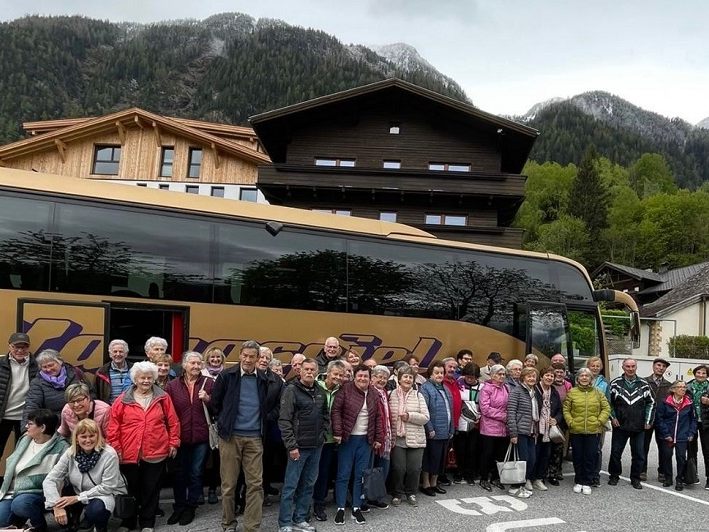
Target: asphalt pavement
{"x":465,"y":507}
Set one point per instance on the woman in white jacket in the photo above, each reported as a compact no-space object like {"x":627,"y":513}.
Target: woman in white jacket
{"x":408,"y":414}
{"x":91,"y":468}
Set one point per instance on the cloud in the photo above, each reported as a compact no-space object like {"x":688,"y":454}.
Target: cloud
{"x":462,"y":11}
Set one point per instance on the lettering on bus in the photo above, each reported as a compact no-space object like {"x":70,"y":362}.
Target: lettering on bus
{"x":68,"y":337}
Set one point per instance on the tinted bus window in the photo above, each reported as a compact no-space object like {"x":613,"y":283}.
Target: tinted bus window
{"x":25,"y":243}
{"x":103,"y":250}
{"x":291,"y":270}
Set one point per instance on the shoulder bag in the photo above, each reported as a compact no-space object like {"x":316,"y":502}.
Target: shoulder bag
{"x":512,"y":471}
{"x":212,"y":427}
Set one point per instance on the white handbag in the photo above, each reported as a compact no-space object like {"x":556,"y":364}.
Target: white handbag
{"x":512,"y":471}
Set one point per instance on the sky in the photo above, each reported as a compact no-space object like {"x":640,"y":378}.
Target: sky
{"x":506,"y":54}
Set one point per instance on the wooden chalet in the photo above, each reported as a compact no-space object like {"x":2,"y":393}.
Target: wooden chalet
{"x":397,"y":152}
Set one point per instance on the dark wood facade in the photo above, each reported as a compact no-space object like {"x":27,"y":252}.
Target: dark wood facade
{"x":395,"y":121}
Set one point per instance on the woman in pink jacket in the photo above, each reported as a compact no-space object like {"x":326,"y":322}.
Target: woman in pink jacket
{"x":493,"y":427}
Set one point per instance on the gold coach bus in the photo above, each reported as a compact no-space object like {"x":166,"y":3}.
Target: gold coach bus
{"x":83,"y":262}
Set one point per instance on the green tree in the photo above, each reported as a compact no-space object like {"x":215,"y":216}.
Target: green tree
{"x":651,"y":174}
{"x":566,"y":236}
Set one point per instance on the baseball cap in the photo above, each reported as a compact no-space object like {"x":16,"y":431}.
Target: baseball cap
{"x":19,"y":338}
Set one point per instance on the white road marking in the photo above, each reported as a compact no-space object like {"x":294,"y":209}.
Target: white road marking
{"x":665,"y":490}
{"x":527,"y":523}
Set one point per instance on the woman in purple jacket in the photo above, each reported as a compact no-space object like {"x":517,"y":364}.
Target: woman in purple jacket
{"x":493,"y":427}
{"x":188,"y":393}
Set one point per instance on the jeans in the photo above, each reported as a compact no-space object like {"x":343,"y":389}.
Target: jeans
{"x":354,"y":454}
{"x":328,"y":462}
{"x":143,"y":481}
{"x":22,"y":507}
{"x":298,"y":483}
{"x":542,"y":459}
{"x":585,"y":456}
{"x":96,"y":514}
{"x":237,"y":453}
{"x":680,"y":450}
{"x":527,"y":450}
{"x":637,"y":452}
{"x":405,"y":470}
{"x":187,"y":482}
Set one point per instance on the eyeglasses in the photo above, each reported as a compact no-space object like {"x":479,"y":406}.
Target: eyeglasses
{"x":78,"y":400}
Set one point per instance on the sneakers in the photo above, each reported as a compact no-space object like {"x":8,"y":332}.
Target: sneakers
{"x":364,"y":508}
{"x":358,"y":517}
{"x":539,"y":485}
{"x":303,"y":526}
{"x":524,"y":493}
{"x":319,"y":513}
{"x":528,"y":485}
{"x":381,"y":505}
{"x":613,"y":481}
{"x":285,"y":529}
{"x":578,"y":488}
{"x":586,"y":490}
{"x":395,"y":501}
{"x":484,"y":484}
{"x":411,"y":499}
{"x":513,"y":490}
{"x":340,"y":516}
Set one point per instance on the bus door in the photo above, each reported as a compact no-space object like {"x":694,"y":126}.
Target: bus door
{"x":77,"y":330}
{"x":547,"y":329}
{"x":135,"y":323}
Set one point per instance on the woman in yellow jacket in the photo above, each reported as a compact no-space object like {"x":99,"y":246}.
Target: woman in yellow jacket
{"x":586,"y":411}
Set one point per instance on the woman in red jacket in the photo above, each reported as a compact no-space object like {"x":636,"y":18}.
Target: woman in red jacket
{"x":144,"y":431}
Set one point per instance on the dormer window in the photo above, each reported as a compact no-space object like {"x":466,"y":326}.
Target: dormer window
{"x":345,"y":163}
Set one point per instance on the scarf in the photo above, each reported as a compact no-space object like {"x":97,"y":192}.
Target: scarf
{"x":384,"y":411}
{"x":535,"y":407}
{"x":214,"y":371}
{"x":87,"y":461}
{"x":400,"y":423}
{"x":546,"y":414}
{"x":58,"y":382}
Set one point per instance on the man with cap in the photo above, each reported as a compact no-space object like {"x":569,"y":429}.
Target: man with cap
{"x":492,"y":359}
{"x":660,"y":389}
{"x":17,"y":369}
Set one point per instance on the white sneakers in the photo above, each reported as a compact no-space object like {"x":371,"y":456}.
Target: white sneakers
{"x":586,"y":490}
{"x":539,"y":485}
{"x":522,"y":493}
{"x":578,"y":488}
{"x":528,"y":485}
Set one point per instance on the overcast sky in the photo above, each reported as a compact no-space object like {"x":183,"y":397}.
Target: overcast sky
{"x":506,"y":54}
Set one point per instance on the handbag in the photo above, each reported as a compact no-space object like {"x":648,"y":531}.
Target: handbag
{"x":211,"y":427}
{"x":556,"y":435}
{"x":512,"y":471}
{"x":690,"y":471}
{"x":373,"y":483}
{"x":125,"y":505}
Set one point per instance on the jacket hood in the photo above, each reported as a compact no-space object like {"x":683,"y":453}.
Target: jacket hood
{"x":686,"y":401}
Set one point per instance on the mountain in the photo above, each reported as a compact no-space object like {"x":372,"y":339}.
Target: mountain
{"x":703,"y":124}
{"x":620,"y":131}
{"x":224,"y":68}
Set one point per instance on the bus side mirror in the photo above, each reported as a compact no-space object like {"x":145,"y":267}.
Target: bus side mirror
{"x":635,"y":329}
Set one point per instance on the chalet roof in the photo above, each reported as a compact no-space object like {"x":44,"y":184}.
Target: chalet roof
{"x":272,"y":126}
{"x":675,"y":277}
{"x":692,"y":289}
{"x":635,"y":273}
{"x":78,"y":129}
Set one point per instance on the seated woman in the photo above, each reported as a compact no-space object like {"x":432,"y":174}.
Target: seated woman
{"x":79,"y":405}
{"x":37,"y":452}
{"x":90,"y":467}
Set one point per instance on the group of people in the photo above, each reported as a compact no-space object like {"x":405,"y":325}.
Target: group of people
{"x":83,"y":440}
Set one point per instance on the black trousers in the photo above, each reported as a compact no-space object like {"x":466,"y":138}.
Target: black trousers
{"x":8,"y":426}
{"x":648,"y":440}
{"x":493,"y":450}
{"x":703,"y":435}
{"x":467,"y":453}
{"x":143,"y":481}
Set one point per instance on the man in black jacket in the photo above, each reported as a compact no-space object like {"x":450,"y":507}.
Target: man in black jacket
{"x":243,"y":398}
{"x":660,"y":388}
{"x":17,"y":369}
{"x":304,"y":421}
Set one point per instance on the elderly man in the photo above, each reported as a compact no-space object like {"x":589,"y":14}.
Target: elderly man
{"x":17,"y":369}
{"x":330,"y":383}
{"x":242,"y":398}
{"x":660,"y":388}
{"x":296,"y":363}
{"x":631,"y":411}
{"x":492,"y":359}
{"x":304,"y":422}
{"x":114,"y":378}
{"x":330,"y":351}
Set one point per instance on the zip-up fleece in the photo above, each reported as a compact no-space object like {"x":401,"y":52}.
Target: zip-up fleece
{"x":631,"y":403}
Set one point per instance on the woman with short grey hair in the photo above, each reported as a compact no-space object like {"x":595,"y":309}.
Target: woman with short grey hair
{"x":80,"y":405}
{"x":48,"y":387}
{"x":155,"y":346}
{"x":514,"y":371}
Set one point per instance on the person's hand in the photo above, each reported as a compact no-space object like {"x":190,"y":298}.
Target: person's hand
{"x":338,"y":439}
{"x":173,"y":452}
{"x":704,"y":400}
{"x":68,"y":500}
{"x":294,"y":454}
{"x":404,"y":416}
{"x":203,"y":395}
{"x":513,"y":441}
{"x":648,"y":427}
{"x":377,"y":446}
{"x":615,"y":422}
{"x":60,"y":516}
{"x":431,"y":434}
{"x":552,"y":422}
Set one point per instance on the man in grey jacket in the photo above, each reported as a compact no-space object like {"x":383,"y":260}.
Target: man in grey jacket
{"x":304,"y":421}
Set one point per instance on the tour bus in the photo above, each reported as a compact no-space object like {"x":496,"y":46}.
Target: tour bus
{"x":83,"y":262}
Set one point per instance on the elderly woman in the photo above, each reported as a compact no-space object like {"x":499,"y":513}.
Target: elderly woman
{"x":439,"y":428}
{"x":550,"y":415}
{"x":586,"y":411}
{"x":467,"y":438}
{"x":408,"y":413}
{"x":523,"y":426}
{"x":79,"y":405}
{"x":90,"y":467}
{"x":493,"y":427}
{"x":595,"y":364}
{"x":514,"y":371}
{"x":165,"y":372}
{"x":676,"y":422}
{"x":189,"y":393}
{"x":698,"y":390}
{"x":213,"y":362}
{"x":155,"y":346}
{"x":380,"y":375}
{"x":562,"y":386}
{"x":531,"y":361}
{"x":36,"y":453}
{"x":144,"y":430}
{"x":48,"y":387}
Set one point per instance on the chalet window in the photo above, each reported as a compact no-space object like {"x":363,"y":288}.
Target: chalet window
{"x":338,"y":212}
{"x":167,"y":158}
{"x":195,"y":162}
{"x":449,"y":167}
{"x":164,"y":187}
{"x":446,"y":219}
{"x":394,"y":128}
{"x":192,"y":189}
{"x":348,"y":163}
{"x":387,"y":216}
{"x":248,"y":194}
{"x":392,"y":165}
{"x":217,"y":192}
{"x":106,"y":160}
